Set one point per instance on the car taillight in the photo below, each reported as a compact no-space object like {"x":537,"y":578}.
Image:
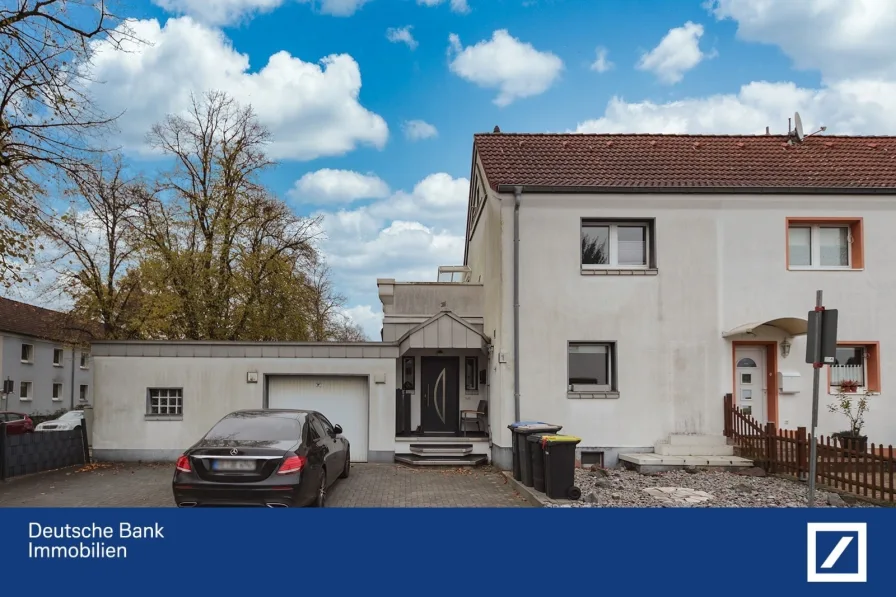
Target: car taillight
{"x":183,"y":464}
{"x":293,"y":464}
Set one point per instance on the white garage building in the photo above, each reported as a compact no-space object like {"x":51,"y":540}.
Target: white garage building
{"x":187,"y":387}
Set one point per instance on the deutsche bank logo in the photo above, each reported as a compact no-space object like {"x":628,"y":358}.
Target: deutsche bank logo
{"x":837,"y":552}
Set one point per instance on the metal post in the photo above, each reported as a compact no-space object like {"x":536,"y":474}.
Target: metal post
{"x":816,"y":381}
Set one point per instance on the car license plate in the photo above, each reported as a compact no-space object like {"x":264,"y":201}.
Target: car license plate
{"x":234,"y":465}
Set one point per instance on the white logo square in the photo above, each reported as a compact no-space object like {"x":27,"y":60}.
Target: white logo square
{"x":815,"y":572}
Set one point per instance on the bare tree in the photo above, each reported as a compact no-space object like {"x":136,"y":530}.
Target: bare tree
{"x":95,"y":245}
{"x":46,"y":116}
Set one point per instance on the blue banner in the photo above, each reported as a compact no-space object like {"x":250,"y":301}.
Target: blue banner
{"x":395,"y":552}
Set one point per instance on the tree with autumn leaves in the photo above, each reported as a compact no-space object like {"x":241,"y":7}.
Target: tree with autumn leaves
{"x":202,"y":251}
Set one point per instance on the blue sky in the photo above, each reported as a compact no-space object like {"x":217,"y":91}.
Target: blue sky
{"x":393,"y":205}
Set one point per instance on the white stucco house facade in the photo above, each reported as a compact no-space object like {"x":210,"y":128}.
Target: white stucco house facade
{"x":618,"y":285}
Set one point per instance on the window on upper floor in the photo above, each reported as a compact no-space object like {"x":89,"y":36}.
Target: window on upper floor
{"x":856,"y":362}
{"x":824,"y":243}
{"x":617,"y":245}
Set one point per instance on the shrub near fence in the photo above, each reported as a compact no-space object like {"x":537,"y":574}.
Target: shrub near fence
{"x":41,"y":451}
{"x":786,"y":451}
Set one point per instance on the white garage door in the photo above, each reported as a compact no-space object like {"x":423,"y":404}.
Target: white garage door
{"x":342,"y":399}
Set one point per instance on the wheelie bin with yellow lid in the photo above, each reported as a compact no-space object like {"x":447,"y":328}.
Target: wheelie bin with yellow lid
{"x":522,"y":431}
{"x":560,"y":466}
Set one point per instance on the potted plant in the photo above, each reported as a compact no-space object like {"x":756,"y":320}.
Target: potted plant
{"x":853,"y":405}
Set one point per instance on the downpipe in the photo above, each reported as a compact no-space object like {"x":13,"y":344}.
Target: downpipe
{"x":517,"y":197}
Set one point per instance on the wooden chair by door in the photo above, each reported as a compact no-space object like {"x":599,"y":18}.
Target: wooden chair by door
{"x":477,"y":416}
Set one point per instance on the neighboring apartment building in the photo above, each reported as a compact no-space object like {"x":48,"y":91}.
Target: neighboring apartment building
{"x":46,"y":355}
{"x":618,"y":285}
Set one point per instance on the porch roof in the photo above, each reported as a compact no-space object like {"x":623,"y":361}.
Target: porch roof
{"x":792,"y":326}
{"x":443,"y":330}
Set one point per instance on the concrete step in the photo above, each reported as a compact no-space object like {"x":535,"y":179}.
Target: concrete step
{"x":687,"y":439}
{"x":650,"y":462}
{"x":666,"y":449}
{"x":457,"y":450}
{"x":418,"y":460}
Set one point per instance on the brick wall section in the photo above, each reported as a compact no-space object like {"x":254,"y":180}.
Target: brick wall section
{"x":41,"y":451}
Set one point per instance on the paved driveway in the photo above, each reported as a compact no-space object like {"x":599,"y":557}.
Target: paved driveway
{"x":370,"y":485}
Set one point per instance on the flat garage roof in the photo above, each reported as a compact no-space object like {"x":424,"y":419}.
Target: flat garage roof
{"x":252,"y":350}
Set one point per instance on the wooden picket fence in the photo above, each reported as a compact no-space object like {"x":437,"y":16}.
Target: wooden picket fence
{"x":867,"y":473}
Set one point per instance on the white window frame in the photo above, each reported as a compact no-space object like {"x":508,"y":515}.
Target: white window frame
{"x":61,"y":387}
{"x":815,"y":246}
{"x":85,"y":360}
{"x":169,"y":395}
{"x":61,"y":352}
{"x":29,"y":395}
{"x":611,"y":369}
{"x":30,"y":358}
{"x":613,"y":242}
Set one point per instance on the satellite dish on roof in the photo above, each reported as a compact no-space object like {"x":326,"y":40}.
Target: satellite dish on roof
{"x":798,"y":127}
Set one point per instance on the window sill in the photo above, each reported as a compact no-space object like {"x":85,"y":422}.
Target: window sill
{"x":618,"y":271}
{"x":163,"y":417}
{"x":824,"y":269}
{"x":593,"y":395}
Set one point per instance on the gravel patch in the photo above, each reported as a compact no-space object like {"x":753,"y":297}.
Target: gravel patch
{"x":609,"y":488}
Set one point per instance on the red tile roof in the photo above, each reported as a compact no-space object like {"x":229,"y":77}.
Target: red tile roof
{"x":46,"y":324}
{"x":688,"y":162}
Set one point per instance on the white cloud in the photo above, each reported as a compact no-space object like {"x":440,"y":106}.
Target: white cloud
{"x":458,"y":6}
{"x":370,"y":320}
{"x":312,"y":109}
{"x":405,"y":236}
{"x":839,"y":39}
{"x":416,"y":130}
{"x":601,"y":64}
{"x":218,"y":12}
{"x":229,"y":12}
{"x":337,"y":186}
{"x":337,"y":8}
{"x":678,"y":52}
{"x":849,"y":43}
{"x":402,"y":35}
{"x":516,"y":69}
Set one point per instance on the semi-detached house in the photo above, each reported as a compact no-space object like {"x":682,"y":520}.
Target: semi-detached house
{"x":618,"y":285}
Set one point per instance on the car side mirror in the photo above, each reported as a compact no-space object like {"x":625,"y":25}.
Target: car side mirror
{"x":337,"y":429}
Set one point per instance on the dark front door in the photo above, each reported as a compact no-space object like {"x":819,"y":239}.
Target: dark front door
{"x":439,"y":398}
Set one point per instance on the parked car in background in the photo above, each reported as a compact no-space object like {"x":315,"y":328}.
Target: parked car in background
{"x":67,"y":422}
{"x":273,"y":458}
{"x":16,"y":423}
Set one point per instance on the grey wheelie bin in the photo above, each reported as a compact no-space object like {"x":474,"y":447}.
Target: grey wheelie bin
{"x":521,"y":431}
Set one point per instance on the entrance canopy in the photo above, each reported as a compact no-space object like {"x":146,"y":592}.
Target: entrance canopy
{"x":792,"y":326}
{"x":445,"y":330}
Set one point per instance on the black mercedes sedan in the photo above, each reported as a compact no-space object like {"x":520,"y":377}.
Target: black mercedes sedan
{"x":273,"y":458}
